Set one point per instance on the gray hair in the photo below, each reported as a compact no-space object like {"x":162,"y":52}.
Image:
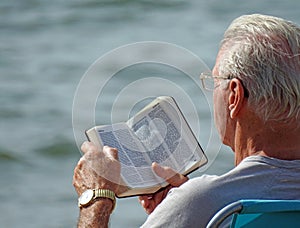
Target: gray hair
{"x":264,"y":53}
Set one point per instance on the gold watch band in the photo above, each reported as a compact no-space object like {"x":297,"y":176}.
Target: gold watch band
{"x":105,"y":193}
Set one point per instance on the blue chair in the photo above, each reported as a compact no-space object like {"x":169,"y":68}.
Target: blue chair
{"x":259,"y":213}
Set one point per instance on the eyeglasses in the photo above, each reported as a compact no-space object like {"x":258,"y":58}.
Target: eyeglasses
{"x":208,"y":81}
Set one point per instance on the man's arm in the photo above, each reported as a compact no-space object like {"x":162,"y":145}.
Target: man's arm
{"x":96,"y":170}
{"x":96,"y":215}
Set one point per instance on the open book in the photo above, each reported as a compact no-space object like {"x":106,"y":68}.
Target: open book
{"x":158,"y":133}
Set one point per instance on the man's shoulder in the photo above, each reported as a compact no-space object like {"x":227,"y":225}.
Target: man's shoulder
{"x":247,"y":171}
{"x":254,"y":171}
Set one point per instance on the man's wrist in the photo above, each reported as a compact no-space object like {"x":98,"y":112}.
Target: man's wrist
{"x":105,"y":205}
{"x":90,"y":196}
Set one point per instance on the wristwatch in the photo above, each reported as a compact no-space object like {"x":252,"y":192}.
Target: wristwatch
{"x":88,"y":196}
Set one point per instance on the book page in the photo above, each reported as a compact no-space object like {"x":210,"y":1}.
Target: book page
{"x":181,"y":142}
{"x":166,"y":136}
{"x":136,"y":168}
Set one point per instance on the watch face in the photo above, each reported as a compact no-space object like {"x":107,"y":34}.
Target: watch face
{"x":86,"y":197}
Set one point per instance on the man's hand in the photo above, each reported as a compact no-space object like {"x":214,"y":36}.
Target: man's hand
{"x":97,"y":169}
{"x":150,"y":202}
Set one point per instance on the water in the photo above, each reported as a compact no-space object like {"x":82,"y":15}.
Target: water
{"x":46,"y":46}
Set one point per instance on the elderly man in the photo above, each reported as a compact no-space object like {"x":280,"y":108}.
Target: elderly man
{"x":256,"y":86}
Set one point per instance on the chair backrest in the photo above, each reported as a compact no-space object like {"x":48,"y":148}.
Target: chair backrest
{"x":259,"y":213}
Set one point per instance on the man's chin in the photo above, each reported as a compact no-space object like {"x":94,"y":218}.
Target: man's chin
{"x":226,"y":142}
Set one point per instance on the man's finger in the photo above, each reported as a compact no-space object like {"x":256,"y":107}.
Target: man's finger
{"x":111,"y":152}
{"x":88,"y":146}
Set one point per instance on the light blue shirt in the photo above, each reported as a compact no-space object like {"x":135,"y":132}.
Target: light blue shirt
{"x":194,"y":203}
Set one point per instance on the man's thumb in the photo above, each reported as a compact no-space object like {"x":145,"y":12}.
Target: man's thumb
{"x":173,"y":178}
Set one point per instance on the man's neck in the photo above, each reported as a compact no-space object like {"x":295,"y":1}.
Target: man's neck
{"x":278,"y":142}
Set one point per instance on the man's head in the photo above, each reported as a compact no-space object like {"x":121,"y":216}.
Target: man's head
{"x":263,"y":52}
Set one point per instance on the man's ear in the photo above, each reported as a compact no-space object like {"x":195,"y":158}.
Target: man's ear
{"x":236,"y":97}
